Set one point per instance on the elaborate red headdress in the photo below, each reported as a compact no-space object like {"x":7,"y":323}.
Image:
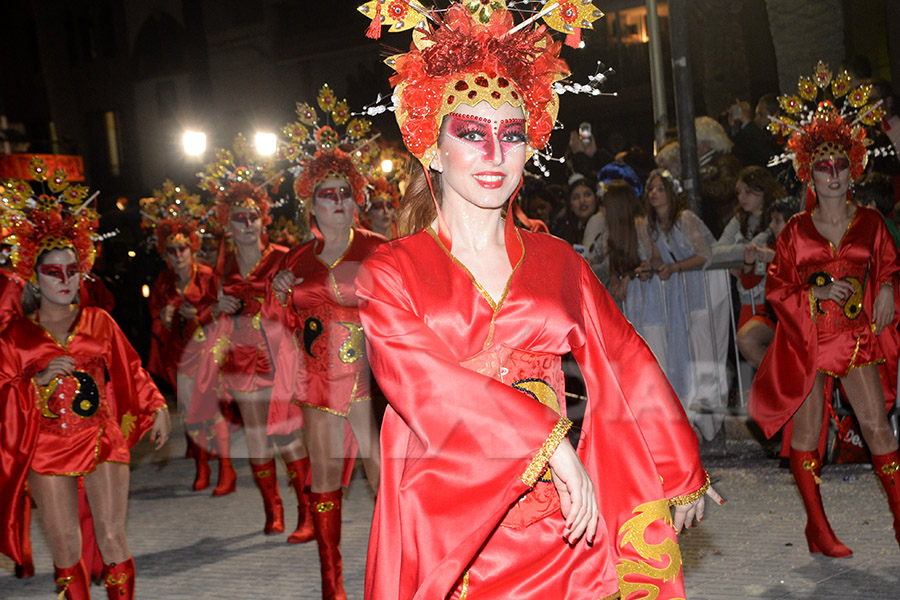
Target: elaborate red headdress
{"x":382,"y":189}
{"x":240,"y":179}
{"x":40,"y":222}
{"x":321,"y":153}
{"x":826,"y":118}
{"x":475,"y":53}
{"x":173,"y":215}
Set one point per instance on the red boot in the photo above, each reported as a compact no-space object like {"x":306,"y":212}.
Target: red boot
{"x":326,"y":514}
{"x":887,"y":467}
{"x":26,"y":567}
{"x":119,"y":579}
{"x":806,"y":468}
{"x":227,"y":477}
{"x":297,"y":473}
{"x":72,"y":582}
{"x":267,"y":482}
{"x":198,"y":449}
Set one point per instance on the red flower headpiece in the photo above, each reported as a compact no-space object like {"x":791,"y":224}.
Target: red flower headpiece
{"x":819,"y":122}
{"x":382,"y":189}
{"x":39,"y":223}
{"x":240,"y":179}
{"x":172,"y":214}
{"x":321,"y":152}
{"x":474,"y":54}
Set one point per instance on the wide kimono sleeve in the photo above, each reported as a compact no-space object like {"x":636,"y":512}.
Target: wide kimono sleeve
{"x":788,"y":367}
{"x":635,"y":428}
{"x":18,"y":434}
{"x":458,"y":448}
{"x":137,"y":398}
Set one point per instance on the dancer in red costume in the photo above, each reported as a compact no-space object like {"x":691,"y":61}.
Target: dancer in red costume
{"x":314,"y":295}
{"x":381,"y":209}
{"x":832,"y":284}
{"x":467,"y":320}
{"x":76,"y":396}
{"x":238,"y":361}
{"x":180,"y":306}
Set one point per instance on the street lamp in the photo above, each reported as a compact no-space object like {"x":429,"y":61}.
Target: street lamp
{"x":266,"y":143}
{"x":194,"y":143}
{"x":387,"y":165}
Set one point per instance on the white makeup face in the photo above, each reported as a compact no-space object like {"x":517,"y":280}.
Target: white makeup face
{"x":178,"y":255}
{"x":246,"y":226}
{"x":58,"y":277}
{"x":481,"y":153}
{"x":831,"y":176}
{"x":333,"y":203}
{"x":380,"y":213}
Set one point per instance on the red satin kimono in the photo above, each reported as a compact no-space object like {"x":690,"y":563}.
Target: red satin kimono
{"x":74,"y":424}
{"x":823,"y":336}
{"x":323,"y":336}
{"x":178,"y":348}
{"x":10,"y":296}
{"x":476,"y":408}
{"x":237,"y":355}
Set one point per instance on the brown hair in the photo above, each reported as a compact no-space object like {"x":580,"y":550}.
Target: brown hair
{"x":759,"y":179}
{"x":677,"y":203}
{"x":416,"y":207}
{"x":621,"y":210}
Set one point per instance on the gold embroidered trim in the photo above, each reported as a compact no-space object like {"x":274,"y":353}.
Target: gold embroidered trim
{"x":633,"y":532}
{"x":887,"y":283}
{"x":464,"y":586}
{"x":812,"y":305}
{"x":263,"y":474}
{"x":116,"y":580}
{"x":689,"y":498}
{"x":62,"y":584}
{"x":322,"y":507}
{"x":539,"y":463}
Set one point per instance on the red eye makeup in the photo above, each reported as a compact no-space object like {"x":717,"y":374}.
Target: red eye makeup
{"x":336,"y":195}
{"x":176,"y":250}
{"x":486,"y":135}
{"x":61,"y":272}
{"x":245,"y":219}
{"x":832,"y":166}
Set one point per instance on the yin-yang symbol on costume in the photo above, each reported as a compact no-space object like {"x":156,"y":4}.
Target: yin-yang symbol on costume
{"x":312,"y":329}
{"x":87,"y":396}
{"x":355,"y":346}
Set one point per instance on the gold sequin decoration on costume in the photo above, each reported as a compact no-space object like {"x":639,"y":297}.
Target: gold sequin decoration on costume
{"x":43,"y":393}
{"x":891,"y":467}
{"x":127,"y":424}
{"x":539,"y":463}
{"x":810,"y":465}
{"x":62,"y":584}
{"x":219,"y":350}
{"x":688,"y":498}
{"x":113,"y":580}
{"x":633,"y":532}
{"x":544,"y":393}
{"x":322,"y":507}
{"x":199,"y":335}
{"x":354,"y":347}
{"x":263,"y":474}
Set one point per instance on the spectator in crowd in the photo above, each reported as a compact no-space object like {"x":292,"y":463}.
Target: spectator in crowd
{"x":581,"y":204}
{"x":669,"y":158}
{"x":685,"y":244}
{"x":888,"y":136}
{"x":753,"y":144}
{"x":718,"y":172}
{"x":755,"y":335}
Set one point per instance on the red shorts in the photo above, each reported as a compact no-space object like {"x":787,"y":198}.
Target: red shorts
{"x":840,"y":351}
{"x":80,"y":452}
{"x":763,"y":314}
{"x":247,"y":369}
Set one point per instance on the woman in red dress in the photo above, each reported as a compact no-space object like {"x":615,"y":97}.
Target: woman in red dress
{"x":180,"y":304}
{"x":832,"y":284}
{"x":467,"y":320}
{"x":75,"y":395}
{"x":324,"y":374}
{"x":239,"y":363}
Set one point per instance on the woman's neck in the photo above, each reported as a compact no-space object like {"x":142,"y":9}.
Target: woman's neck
{"x":51,"y":312}
{"x":472,"y":227}
{"x":183,"y":275}
{"x":662,"y":213}
{"x":833,"y":209}
{"x":335,"y":237}
{"x":248,"y":254}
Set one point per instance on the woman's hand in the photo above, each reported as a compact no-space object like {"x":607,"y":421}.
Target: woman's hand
{"x":667,"y":270}
{"x":283,"y":282}
{"x":162,"y":427}
{"x":58,"y":367}
{"x":883,"y":308}
{"x":644,"y":272}
{"x":226,"y":304}
{"x":686,"y":514}
{"x":577,"y":498}
{"x":618,"y":287}
{"x":751,"y":253}
{"x":838,"y":291}
{"x":187,"y":310}
{"x":765,"y":255}
{"x":167,"y":314}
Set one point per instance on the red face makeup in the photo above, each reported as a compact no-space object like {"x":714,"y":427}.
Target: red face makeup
{"x":487,"y":136}
{"x":244,"y":218}
{"x":832,"y":165}
{"x":338,"y":195}
{"x":61,"y":272}
{"x":177,"y":250}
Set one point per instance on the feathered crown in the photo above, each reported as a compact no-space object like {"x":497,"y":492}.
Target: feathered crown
{"x":240,"y":178}
{"x":173,"y":215}
{"x":471,"y":53}
{"x":320,"y":152}
{"x":38,"y":222}
{"x":824,"y":118}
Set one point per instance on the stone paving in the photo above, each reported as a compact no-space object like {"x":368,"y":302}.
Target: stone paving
{"x":190,"y":545}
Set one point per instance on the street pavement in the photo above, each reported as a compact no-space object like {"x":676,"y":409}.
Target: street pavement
{"x":190,"y":545}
